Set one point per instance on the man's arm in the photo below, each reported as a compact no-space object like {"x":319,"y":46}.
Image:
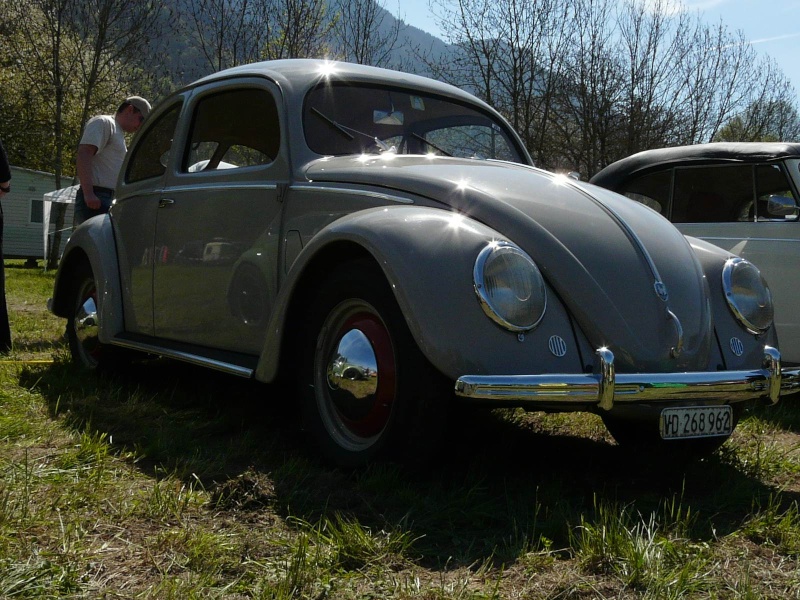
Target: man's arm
{"x":86,"y":154}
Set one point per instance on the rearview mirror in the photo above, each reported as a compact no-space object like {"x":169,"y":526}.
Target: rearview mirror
{"x":382,"y":117}
{"x":781,"y":206}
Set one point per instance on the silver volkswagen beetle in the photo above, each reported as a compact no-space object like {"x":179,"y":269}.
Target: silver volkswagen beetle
{"x":385,"y":241}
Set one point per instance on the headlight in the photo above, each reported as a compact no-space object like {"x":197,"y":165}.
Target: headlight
{"x":510,"y":287}
{"x":747,"y":294}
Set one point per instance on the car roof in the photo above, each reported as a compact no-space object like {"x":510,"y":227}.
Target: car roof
{"x":303,"y":73}
{"x":619,"y":172}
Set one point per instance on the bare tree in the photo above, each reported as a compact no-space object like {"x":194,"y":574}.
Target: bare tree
{"x":229,"y":32}
{"x":296,"y":29}
{"x":717,"y":69}
{"x":363,"y":32}
{"x":510,"y":53}
{"x":771,"y":113}
{"x":588,"y":117}
{"x":651,"y":46}
{"x":76,"y":55}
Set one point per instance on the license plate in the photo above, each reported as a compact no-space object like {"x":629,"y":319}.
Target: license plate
{"x":696,"y":422}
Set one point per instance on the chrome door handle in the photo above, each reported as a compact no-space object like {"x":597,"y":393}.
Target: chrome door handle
{"x":165,"y":202}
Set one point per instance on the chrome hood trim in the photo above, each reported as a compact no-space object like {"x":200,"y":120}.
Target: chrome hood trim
{"x":561,"y":224}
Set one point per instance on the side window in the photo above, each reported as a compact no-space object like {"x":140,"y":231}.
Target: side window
{"x":651,"y":190}
{"x":233,"y":129}
{"x":713,"y":194}
{"x":774,"y":197}
{"x":150,"y":156}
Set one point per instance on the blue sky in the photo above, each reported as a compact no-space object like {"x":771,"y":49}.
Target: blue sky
{"x":772,"y":26}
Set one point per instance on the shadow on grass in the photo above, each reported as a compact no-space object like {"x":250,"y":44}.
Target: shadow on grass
{"x":495,"y":491}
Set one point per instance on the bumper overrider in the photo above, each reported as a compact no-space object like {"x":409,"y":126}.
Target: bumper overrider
{"x":605,"y":388}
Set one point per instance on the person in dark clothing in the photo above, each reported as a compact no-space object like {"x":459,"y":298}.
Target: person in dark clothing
{"x":5,"y":188}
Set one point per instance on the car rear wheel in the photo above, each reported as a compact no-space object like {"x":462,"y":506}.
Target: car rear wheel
{"x":83,"y":325}
{"x":642,"y":436}
{"x":367,"y":388}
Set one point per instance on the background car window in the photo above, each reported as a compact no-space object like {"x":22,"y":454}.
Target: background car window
{"x":775,"y":200}
{"x":233,"y":129}
{"x":651,"y":189}
{"x":150,"y":157}
{"x":713,"y":194}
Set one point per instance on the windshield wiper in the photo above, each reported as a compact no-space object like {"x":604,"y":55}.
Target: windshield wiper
{"x":416,"y":136}
{"x":346,"y":131}
{"x":340,"y":128}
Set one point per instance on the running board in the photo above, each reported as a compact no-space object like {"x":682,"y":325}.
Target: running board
{"x":218,"y":363}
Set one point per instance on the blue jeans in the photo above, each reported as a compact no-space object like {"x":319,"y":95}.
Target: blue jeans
{"x":83,"y":212}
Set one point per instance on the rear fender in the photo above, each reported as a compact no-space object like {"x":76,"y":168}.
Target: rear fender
{"x":93,"y":243}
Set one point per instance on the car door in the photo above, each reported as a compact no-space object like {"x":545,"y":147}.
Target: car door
{"x":218,"y":222}
{"x":134,"y":215}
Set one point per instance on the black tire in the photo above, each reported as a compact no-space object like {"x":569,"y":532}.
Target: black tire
{"x":641,"y":437}
{"x":83,"y":326}
{"x":367,"y":389}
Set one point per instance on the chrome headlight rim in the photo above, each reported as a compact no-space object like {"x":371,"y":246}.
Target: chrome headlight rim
{"x":481,"y":289}
{"x":735,"y":303}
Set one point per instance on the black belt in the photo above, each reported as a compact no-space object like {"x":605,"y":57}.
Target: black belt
{"x":97,"y":188}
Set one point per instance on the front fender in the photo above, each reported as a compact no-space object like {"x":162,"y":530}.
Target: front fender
{"x":93,"y":243}
{"x":728,"y":329}
{"x":427,"y":256}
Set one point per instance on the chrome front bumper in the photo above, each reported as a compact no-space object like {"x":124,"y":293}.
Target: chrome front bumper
{"x":605,"y":387}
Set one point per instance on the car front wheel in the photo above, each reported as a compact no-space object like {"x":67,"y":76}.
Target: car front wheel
{"x":367,"y":388}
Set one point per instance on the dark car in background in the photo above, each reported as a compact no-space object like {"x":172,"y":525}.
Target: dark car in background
{"x":384,"y":241}
{"x":743,"y":197}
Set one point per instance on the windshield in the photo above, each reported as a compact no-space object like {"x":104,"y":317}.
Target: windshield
{"x":342,"y":119}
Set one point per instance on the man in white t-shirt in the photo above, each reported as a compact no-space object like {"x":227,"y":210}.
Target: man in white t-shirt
{"x":100,"y":155}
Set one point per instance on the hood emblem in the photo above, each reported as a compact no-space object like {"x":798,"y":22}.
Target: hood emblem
{"x":557,"y":345}
{"x":661,"y":290}
{"x":737,"y":347}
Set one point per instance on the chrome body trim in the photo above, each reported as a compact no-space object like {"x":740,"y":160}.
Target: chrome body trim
{"x":351,"y":192}
{"x":194,"y":359}
{"x":606,"y":388}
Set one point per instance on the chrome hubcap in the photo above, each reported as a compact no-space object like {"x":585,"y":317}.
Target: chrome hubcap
{"x":353,"y":375}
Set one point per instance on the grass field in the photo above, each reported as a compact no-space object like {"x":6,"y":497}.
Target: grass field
{"x":166,"y":481}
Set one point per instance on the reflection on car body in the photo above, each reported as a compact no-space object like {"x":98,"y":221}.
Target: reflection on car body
{"x":740,"y":196}
{"x":384,"y":240}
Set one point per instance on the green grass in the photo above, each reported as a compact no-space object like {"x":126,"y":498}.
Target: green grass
{"x":167,"y":481}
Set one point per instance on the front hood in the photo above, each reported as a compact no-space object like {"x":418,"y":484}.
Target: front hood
{"x":629,"y":278}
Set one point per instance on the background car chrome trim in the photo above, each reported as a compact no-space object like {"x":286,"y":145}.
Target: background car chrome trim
{"x":194,"y":359}
{"x":790,"y":379}
{"x":352,"y":192}
{"x":606,"y":388}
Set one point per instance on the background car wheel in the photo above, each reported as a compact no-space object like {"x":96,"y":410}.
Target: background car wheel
{"x":366,"y":386}
{"x":642,"y":437}
{"x":83,"y":326}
